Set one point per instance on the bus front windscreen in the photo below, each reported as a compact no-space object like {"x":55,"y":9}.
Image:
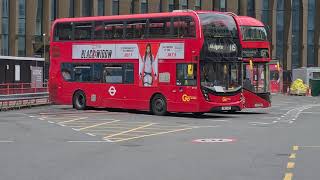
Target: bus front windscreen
{"x":252,"y":33}
{"x":221,"y":76}
{"x":216,"y":25}
{"x":220,"y":36}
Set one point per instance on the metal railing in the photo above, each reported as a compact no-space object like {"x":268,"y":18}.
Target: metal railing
{"x":18,"y":95}
{"x":22,"y":88}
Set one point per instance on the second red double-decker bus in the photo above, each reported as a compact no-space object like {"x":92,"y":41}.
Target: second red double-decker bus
{"x":256,"y":56}
{"x":163,"y":62}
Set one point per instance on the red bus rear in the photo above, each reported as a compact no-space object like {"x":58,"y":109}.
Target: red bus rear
{"x":256,"y":56}
{"x":162,"y":62}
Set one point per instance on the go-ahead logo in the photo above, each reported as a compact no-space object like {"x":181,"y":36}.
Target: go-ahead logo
{"x":186,"y":98}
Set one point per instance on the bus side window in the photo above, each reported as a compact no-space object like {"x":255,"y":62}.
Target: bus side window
{"x":63,"y":32}
{"x":186,"y":75}
{"x":82,"y":73}
{"x":159,"y":28}
{"x":83,"y":31}
{"x":118,"y":73}
{"x":114,"y":30}
{"x":98,"y":30}
{"x":66,"y":71}
{"x":136,"y":29}
{"x":183,"y":27}
{"x":113,"y":73}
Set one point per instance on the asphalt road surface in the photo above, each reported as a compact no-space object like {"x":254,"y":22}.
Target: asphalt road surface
{"x":60,"y":143}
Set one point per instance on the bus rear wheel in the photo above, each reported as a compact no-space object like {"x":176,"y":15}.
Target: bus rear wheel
{"x":79,"y":101}
{"x":159,"y":105}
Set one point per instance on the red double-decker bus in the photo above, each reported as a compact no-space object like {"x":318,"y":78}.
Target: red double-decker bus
{"x":182,"y":61}
{"x":256,"y":56}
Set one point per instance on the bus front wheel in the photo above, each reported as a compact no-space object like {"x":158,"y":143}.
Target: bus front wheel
{"x":159,"y":105}
{"x":79,"y":100}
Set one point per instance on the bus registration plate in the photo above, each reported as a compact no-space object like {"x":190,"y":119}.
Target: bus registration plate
{"x":226,"y":108}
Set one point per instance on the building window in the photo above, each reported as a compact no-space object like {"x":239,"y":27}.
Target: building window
{"x":265,"y":12}
{"x":160,"y":6}
{"x":310,"y":27}
{"x":144,"y":6}
{"x":280,"y":31}
{"x":39,"y":15}
{"x":197,"y":5}
{"x":223,"y":5}
{"x":54,"y":9}
{"x":21,"y":30}
{"x":251,"y":8}
{"x":171,"y":5}
{"x":17,"y":72}
{"x":115,"y":7}
{"x":4,"y":50}
{"x":87,"y":7}
{"x":296,"y":34}
{"x":183,"y":4}
{"x":71,"y":8}
{"x":100,"y":7}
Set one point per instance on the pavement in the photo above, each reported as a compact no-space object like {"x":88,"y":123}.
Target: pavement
{"x":57,"y":142}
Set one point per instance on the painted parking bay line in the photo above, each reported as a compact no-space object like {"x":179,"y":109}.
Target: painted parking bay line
{"x":96,"y":125}
{"x":124,"y":132}
{"x":148,"y":135}
{"x":72,"y":120}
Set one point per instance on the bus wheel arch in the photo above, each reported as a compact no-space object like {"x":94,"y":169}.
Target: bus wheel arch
{"x":79,"y":100}
{"x":158,"y":104}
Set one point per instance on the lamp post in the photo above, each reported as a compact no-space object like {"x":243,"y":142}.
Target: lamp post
{"x":44,"y":55}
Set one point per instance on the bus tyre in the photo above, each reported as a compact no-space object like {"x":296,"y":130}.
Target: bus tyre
{"x":79,"y":100}
{"x":159,"y":105}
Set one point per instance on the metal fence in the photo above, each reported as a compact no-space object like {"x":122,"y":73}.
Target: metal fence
{"x":18,"y":95}
{"x":22,"y":88}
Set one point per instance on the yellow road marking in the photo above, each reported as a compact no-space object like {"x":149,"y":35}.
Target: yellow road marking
{"x":292,"y":156}
{"x":72,"y":120}
{"x":290,"y":165}
{"x":288,"y":176}
{"x":124,"y":132}
{"x":154,"y":134}
{"x":97,"y":125}
{"x":295,"y":148}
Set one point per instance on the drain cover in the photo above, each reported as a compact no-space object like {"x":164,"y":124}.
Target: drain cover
{"x":213,"y":140}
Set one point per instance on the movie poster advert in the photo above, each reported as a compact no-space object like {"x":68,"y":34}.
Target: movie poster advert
{"x":148,"y":64}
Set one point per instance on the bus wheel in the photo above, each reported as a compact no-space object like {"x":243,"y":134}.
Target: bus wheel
{"x":197,"y":114}
{"x":159,"y":105}
{"x":79,"y":100}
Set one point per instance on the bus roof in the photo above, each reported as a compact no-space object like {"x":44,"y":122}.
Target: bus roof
{"x":129,"y":16}
{"x":249,"y":21}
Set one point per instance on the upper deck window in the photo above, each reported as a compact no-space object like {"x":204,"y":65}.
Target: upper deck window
{"x":252,"y":33}
{"x":148,"y":28}
{"x":218,"y":25}
{"x":63,"y":32}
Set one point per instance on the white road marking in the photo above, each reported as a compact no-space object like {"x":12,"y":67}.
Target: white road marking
{"x":90,"y":134}
{"x":72,"y":120}
{"x":50,"y":122}
{"x":106,"y":141}
{"x":6,"y":141}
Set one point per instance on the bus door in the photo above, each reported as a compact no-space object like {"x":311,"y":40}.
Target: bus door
{"x":186,"y":86}
{"x":256,"y":85}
